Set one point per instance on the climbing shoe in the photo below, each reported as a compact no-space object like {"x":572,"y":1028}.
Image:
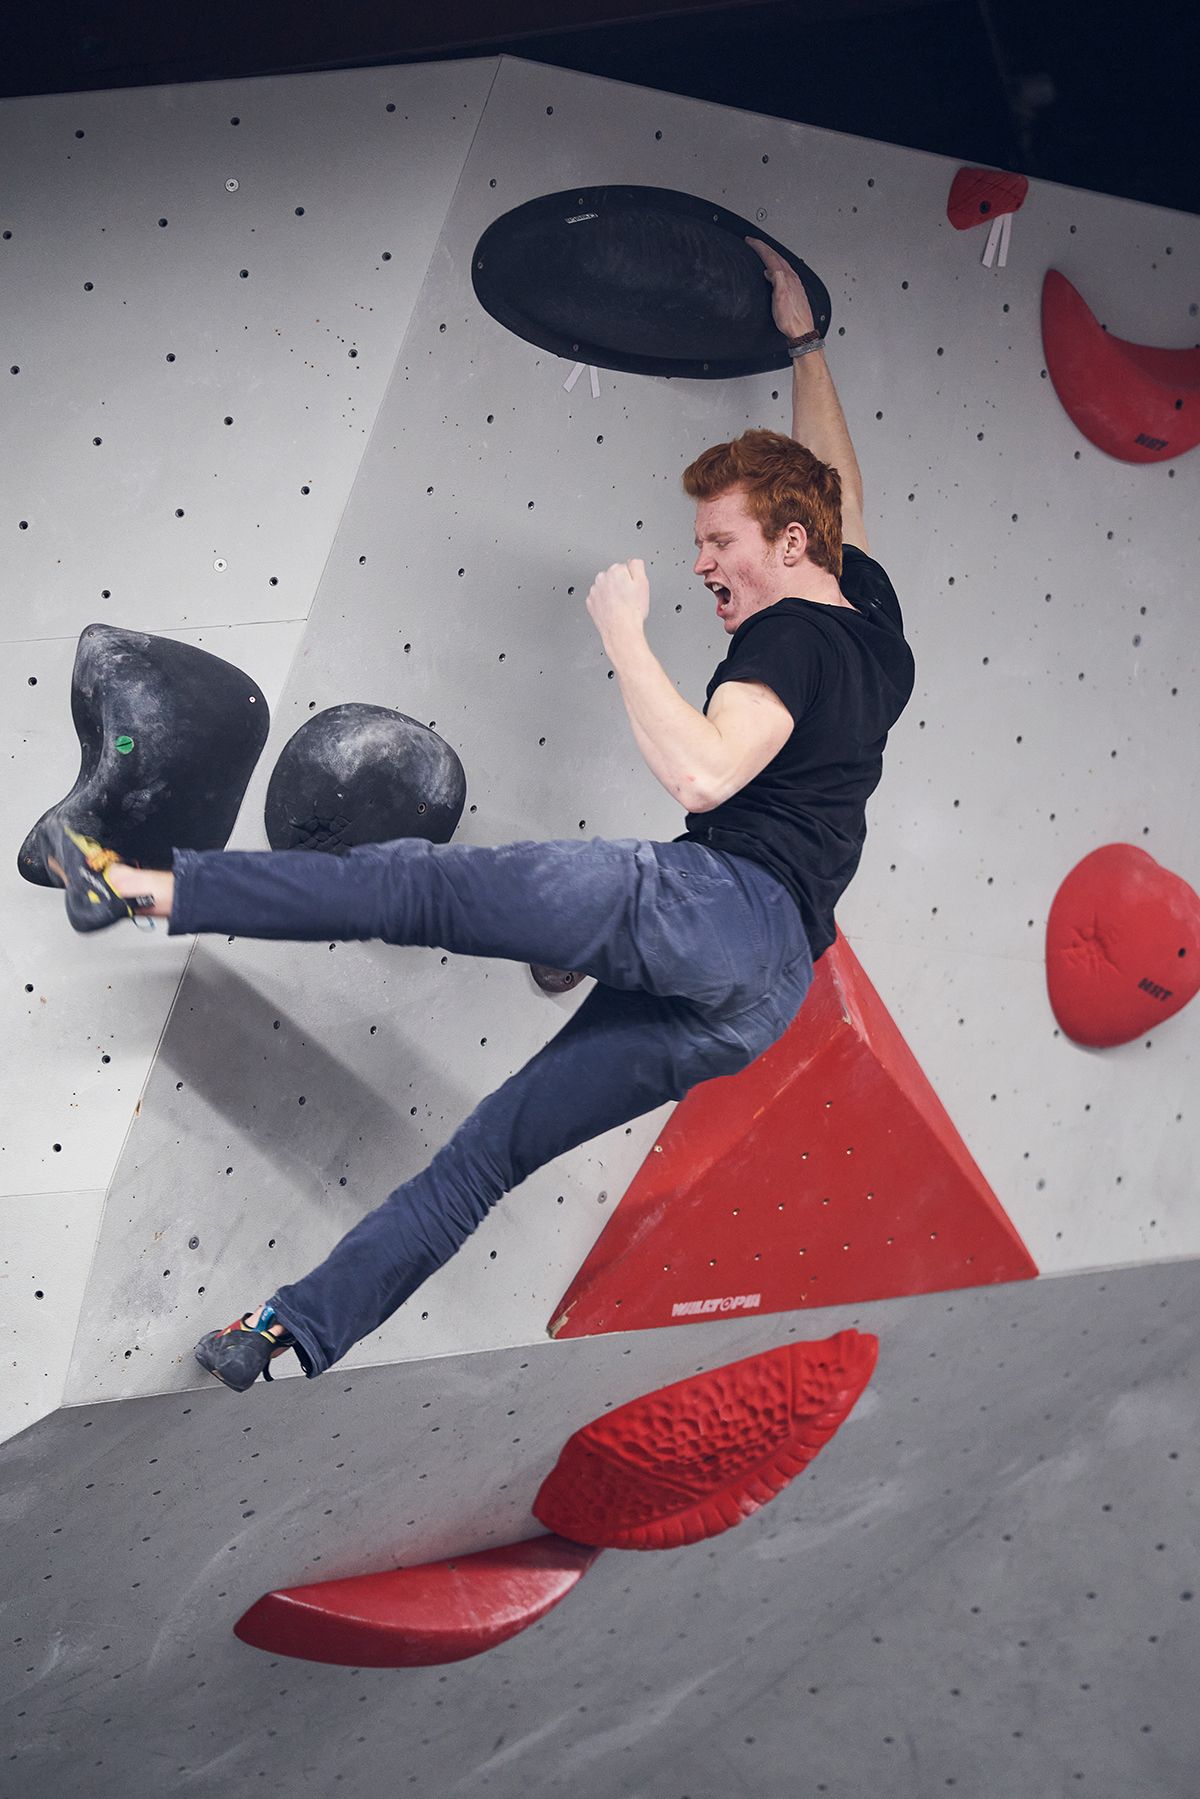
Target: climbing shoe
{"x":238,"y":1354}
{"x":81,"y":866}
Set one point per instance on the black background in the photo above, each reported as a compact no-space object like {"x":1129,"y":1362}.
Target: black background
{"x":1092,"y":95}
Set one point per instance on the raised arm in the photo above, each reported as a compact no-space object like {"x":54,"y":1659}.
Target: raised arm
{"x":817,"y":417}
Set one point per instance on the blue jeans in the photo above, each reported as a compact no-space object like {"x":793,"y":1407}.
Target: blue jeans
{"x":701,"y":962}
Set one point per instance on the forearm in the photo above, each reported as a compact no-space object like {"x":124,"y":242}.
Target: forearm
{"x":680,"y":747}
{"x":819,"y":422}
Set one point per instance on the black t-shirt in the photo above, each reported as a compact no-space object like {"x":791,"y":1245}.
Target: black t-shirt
{"x":845,"y":674}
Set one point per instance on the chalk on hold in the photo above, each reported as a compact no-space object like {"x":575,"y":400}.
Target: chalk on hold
{"x":1133,"y":401}
{"x":694,"y":1459}
{"x":418,"y":1617}
{"x":1122,"y":946}
{"x":169,"y":735}
{"x":645,"y":280}
{"x":363,"y":774}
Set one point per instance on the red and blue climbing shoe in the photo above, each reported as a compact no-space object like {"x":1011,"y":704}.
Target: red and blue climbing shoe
{"x":238,"y":1354}
{"x":81,"y":865}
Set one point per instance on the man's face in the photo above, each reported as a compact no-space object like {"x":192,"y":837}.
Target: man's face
{"x":739,"y":567}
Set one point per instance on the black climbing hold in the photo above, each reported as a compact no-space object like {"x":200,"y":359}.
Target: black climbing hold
{"x":194,"y":726}
{"x":641,"y":279}
{"x":363,"y":774}
{"x":554,"y":980}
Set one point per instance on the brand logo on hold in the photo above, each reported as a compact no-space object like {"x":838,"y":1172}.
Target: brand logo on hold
{"x":696,"y":1308}
{"x":1155,"y":991}
{"x":579,"y":217}
{"x":1150,"y":443}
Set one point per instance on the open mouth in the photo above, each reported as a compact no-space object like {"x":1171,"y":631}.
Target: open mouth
{"x":721,"y":594}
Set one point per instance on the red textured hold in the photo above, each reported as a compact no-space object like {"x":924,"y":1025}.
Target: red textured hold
{"x":418,"y":1617}
{"x":979,"y":195}
{"x":696,"y":1458}
{"x":1122,"y":946}
{"x":827,"y":1172}
{"x":1133,"y":401}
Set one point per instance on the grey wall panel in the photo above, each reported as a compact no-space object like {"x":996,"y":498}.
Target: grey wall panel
{"x":1093,"y":1153}
{"x":984,"y":1580}
{"x":147,"y":304}
{"x":296,"y":356}
{"x":82,"y":1021}
{"x":46,"y":1244}
{"x":86,"y":1012}
{"x":277,"y":1113}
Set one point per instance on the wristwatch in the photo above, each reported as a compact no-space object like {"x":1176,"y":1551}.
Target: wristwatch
{"x":800,"y":346}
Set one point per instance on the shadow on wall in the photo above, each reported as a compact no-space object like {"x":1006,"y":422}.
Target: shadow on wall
{"x":303,"y":1110}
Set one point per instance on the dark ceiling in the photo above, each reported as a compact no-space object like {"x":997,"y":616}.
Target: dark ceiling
{"x":1097,"y":95}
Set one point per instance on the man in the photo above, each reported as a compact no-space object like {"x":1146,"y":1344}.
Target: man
{"x":702,"y":948}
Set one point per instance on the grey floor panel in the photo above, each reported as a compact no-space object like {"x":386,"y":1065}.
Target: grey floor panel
{"x":983,"y":1582}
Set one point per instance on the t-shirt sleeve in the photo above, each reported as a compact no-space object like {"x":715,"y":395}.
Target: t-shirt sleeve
{"x":868,"y":588}
{"x":787,"y":654}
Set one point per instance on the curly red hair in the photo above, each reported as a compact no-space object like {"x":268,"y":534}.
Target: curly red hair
{"x":783,"y":482}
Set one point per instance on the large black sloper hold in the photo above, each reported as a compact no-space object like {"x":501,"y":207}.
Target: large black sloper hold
{"x":169,"y":735}
{"x":646,"y":280}
{"x":363,"y":774}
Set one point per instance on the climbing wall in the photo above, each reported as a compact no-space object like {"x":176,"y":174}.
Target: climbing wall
{"x":1054,"y":653}
{"x":256,"y":406}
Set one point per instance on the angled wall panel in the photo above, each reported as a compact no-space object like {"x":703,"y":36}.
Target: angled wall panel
{"x":214,"y":280}
{"x":985,"y":1575}
{"x":203,"y":304}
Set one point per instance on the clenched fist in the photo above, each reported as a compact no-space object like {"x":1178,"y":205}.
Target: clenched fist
{"x":619,"y":597}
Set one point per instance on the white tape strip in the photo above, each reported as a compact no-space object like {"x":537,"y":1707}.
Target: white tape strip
{"x":1005,"y":238}
{"x":595,"y":374}
{"x":993,"y":241}
{"x":573,"y":377}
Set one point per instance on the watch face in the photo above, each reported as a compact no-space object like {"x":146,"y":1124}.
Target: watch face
{"x":644,"y":280}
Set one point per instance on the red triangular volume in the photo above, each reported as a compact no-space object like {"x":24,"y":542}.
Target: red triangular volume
{"x":1133,"y":401}
{"x":977,"y":195}
{"x":696,"y":1458}
{"x":826,"y":1172}
{"x":418,"y":1617}
{"x":1122,"y":946}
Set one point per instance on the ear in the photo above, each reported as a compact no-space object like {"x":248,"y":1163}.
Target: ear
{"x":795,"y":543}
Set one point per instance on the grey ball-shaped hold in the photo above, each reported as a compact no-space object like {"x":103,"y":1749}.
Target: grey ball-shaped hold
{"x":363,"y":774}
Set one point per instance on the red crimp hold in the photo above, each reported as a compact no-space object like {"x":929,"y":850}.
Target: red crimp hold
{"x":979,"y":195}
{"x":691,"y":1460}
{"x":418,"y":1617}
